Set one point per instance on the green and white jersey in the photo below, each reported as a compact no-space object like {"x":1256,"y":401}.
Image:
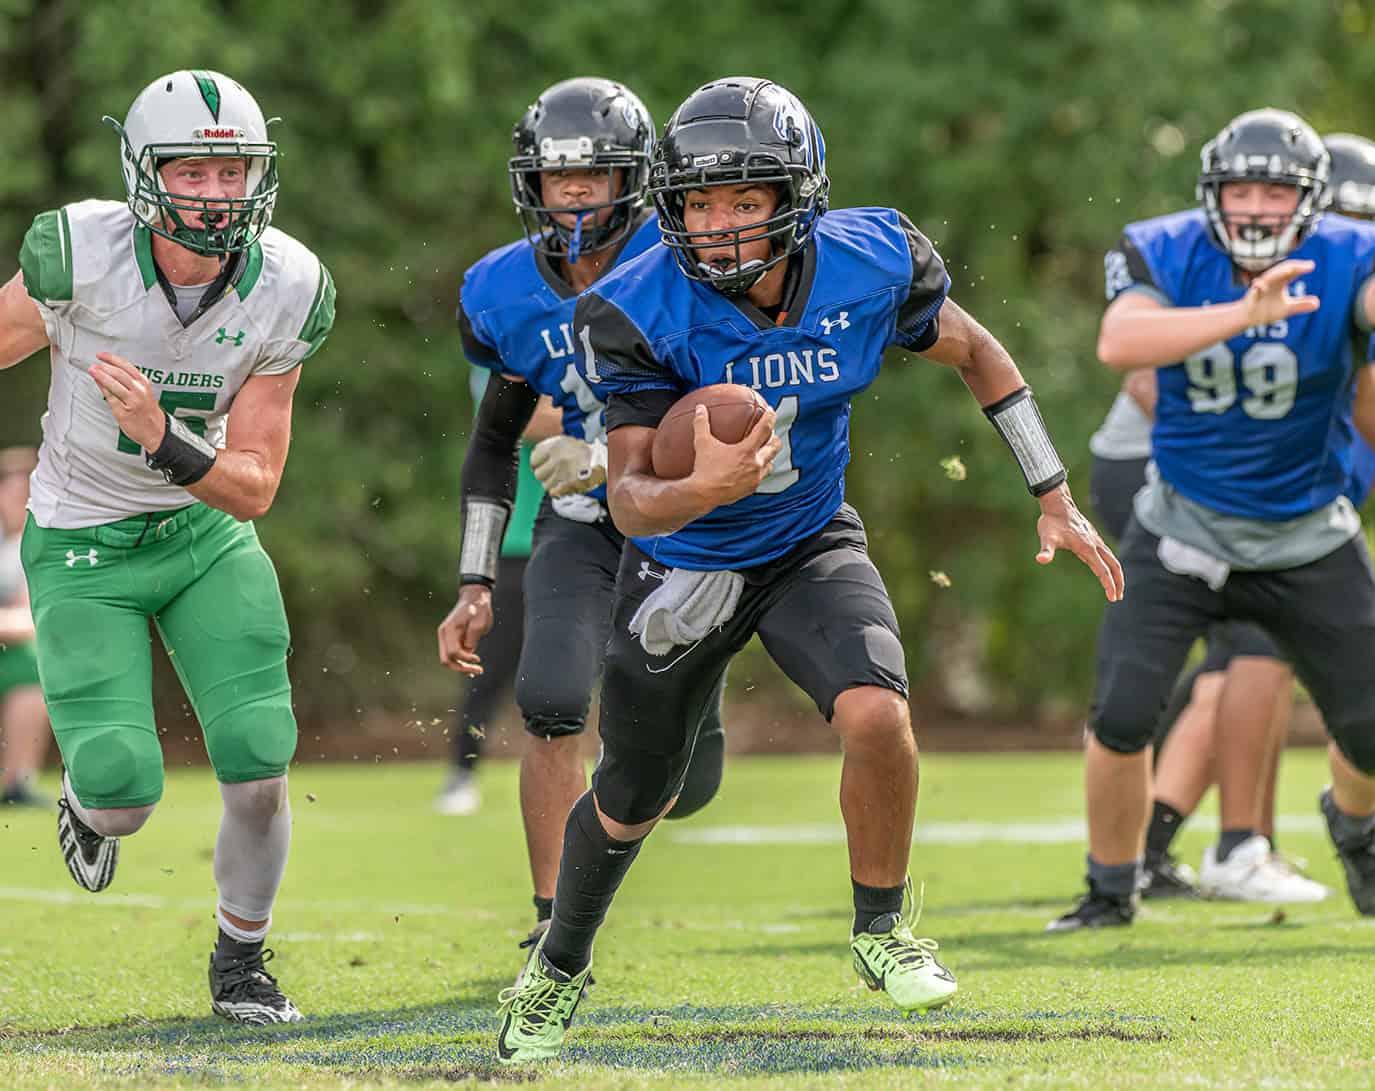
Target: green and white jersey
{"x":89,"y":267}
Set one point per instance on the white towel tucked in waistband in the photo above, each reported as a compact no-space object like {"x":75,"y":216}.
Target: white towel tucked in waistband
{"x":685,"y":607}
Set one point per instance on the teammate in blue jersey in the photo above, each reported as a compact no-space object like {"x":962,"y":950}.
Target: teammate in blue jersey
{"x":757,"y":284}
{"x":1255,"y":310}
{"x":1351,"y":192}
{"x":1184,"y":767}
{"x":577,"y":178}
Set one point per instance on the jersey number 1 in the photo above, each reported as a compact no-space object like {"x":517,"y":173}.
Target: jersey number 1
{"x":784,"y":474}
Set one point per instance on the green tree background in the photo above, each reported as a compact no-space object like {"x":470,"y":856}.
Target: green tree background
{"x":1019,"y":135}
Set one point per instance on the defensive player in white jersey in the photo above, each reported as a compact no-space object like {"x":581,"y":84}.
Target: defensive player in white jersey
{"x":176,"y":324}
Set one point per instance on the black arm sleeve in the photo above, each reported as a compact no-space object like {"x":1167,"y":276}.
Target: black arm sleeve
{"x":492,"y":464}
{"x":645,"y":408}
{"x":917,"y":326}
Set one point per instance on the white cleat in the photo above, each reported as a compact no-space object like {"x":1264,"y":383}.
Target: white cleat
{"x":1251,"y":874}
{"x":459,"y":796}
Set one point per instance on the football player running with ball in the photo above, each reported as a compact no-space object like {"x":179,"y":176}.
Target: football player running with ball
{"x":177,"y":324}
{"x":578,"y":178}
{"x":1254,"y":310}
{"x":758,"y":285}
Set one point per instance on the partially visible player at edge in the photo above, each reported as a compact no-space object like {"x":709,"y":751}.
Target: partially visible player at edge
{"x":578,"y":178}
{"x":758,"y":284}
{"x":1254,"y":311}
{"x":176,"y":325}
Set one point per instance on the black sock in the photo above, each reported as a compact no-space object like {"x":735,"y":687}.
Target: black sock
{"x":1230,"y":839}
{"x":1166,"y":823}
{"x":228,"y":949}
{"x":544,"y":908}
{"x":1114,"y":880}
{"x":590,"y":873}
{"x":872,"y":902}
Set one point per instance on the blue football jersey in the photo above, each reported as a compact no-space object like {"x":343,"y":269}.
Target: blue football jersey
{"x":1362,"y":478}
{"x":1256,"y":426}
{"x":515,"y":315}
{"x":867,"y":279}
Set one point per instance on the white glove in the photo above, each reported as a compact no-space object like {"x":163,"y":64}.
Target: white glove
{"x":566,"y":466}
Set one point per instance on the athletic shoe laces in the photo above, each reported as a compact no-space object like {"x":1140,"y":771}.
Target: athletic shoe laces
{"x":246,"y":979}
{"x":539,"y":998}
{"x":899,"y":944}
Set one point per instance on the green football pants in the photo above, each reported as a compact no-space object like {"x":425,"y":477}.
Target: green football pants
{"x":204,"y":580}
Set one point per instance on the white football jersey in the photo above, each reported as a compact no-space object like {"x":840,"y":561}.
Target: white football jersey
{"x":89,"y":267}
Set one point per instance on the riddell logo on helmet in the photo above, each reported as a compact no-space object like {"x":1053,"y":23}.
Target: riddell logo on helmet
{"x":218,"y":134}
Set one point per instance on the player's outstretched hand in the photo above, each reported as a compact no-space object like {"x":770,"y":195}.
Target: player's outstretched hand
{"x":732,"y":471}
{"x":1063,"y":526}
{"x":468,"y":622}
{"x":131,"y":399}
{"x":1268,"y":299}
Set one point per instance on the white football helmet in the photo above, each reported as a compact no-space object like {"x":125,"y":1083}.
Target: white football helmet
{"x":194,"y":114}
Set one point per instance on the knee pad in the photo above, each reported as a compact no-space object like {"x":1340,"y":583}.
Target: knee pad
{"x":1128,"y":707}
{"x":551,"y":707}
{"x":113,"y":767}
{"x":1356,"y":741}
{"x":703,"y":777}
{"x":253,"y":742}
{"x":1122,"y":737}
{"x":635,"y":786}
{"x":553,"y":728}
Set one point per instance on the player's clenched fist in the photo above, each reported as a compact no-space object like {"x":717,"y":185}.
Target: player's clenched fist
{"x":468,"y":622}
{"x":131,"y":399}
{"x":732,"y":471}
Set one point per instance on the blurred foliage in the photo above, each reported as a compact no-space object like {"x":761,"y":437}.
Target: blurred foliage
{"x":1019,"y":134}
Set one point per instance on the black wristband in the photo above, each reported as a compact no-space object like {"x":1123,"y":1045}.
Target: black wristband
{"x":183,"y":457}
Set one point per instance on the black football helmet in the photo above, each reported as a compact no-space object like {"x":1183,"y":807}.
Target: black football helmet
{"x":1351,"y":188}
{"x":590,"y":124}
{"x":728,"y":132}
{"x":1272,"y":146}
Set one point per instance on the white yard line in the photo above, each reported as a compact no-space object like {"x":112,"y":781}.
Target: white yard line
{"x":1055,"y":831}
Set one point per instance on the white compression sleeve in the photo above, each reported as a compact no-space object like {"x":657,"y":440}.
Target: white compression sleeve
{"x":251,"y":851}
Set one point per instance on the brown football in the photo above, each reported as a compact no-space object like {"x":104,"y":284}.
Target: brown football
{"x":732,"y":409}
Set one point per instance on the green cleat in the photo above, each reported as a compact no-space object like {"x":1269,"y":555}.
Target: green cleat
{"x":889,"y":957}
{"x":537,"y":1010}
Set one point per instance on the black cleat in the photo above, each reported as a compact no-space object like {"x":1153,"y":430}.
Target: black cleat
{"x":243,"y":992}
{"x":90,"y":858}
{"x":1357,"y":855}
{"x":1165,"y":877}
{"x":1096,"y":910}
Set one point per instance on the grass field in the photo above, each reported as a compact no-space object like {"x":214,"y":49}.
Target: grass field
{"x":724,"y":962}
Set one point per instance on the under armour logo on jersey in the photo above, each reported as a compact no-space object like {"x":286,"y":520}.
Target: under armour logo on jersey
{"x":222,"y":335}
{"x":73,"y":556}
{"x":841,"y":322}
{"x":646,"y":573}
